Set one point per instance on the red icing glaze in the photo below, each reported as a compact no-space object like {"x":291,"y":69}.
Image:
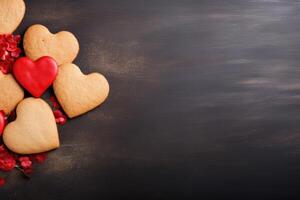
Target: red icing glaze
{"x":2,"y":121}
{"x":35,"y":76}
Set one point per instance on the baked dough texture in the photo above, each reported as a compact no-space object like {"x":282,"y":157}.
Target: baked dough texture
{"x":39,"y":41}
{"x":11,"y":93}
{"x":34,"y":130}
{"x":11,"y":14}
{"x":78,"y":93}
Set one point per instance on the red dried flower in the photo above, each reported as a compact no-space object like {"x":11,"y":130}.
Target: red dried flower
{"x":2,"y":149}
{"x":4,"y":66}
{"x":25,"y":162}
{"x":9,"y":51}
{"x":17,"y":38}
{"x":16,"y":53}
{"x":4,"y":54}
{"x":9,"y":37}
{"x":7,"y":162}
{"x":4,"y":45}
{"x":2,"y":181}
{"x":11,"y":46}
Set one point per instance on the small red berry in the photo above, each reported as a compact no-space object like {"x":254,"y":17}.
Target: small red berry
{"x":9,"y":51}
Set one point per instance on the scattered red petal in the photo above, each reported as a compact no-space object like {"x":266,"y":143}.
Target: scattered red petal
{"x":17,"y":38}
{"x":40,"y":158}
{"x":25,"y":162}
{"x":2,"y":181}
{"x":2,"y":38}
{"x":9,"y":37}
{"x":12,"y":46}
{"x":2,"y":149}
{"x":57,"y":113}
{"x":28,"y":171}
{"x":60,"y":118}
{"x":7,"y":163}
{"x":9,"y":51}
{"x":16,"y":53}
{"x":54,"y":102}
{"x":4,"y":70}
{"x":3,"y":54}
{"x":4,"y":45}
{"x":7,"y":160}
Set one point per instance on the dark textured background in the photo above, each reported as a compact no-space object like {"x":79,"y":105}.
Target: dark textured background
{"x":204,"y":102}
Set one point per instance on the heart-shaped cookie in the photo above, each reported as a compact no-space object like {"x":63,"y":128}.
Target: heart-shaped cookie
{"x":38,"y":42}
{"x":78,"y":93}
{"x":34,"y":130}
{"x":35,"y":76}
{"x":11,"y":93}
{"x":11,"y":15}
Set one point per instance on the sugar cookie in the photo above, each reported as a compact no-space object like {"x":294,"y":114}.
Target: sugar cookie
{"x":34,"y":130}
{"x":11,"y":93}
{"x":78,"y":93}
{"x":11,"y":14}
{"x":62,"y":46}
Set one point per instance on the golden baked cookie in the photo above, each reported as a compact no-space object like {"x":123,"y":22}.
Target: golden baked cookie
{"x":78,"y":93}
{"x":62,"y":46}
{"x":34,"y":130}
{"x":11,"y":14}
{"x":11,"y":93}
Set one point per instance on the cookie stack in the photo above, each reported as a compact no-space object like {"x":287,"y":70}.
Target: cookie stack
{"x":48,"y":62}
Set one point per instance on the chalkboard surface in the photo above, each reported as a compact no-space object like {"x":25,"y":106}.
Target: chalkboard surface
{"x":204,"y":101}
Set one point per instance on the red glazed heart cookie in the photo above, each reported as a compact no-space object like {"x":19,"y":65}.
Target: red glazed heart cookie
{"x":78,"y":93}
{"x":34,"y":130}
{"x":36,"y":76}
{"x":10,"y":93}
{"x":62,"y":46}
{"x":11,"y":15}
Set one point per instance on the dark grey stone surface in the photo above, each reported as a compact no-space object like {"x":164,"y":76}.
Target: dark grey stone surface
{"x":204,"y":102}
